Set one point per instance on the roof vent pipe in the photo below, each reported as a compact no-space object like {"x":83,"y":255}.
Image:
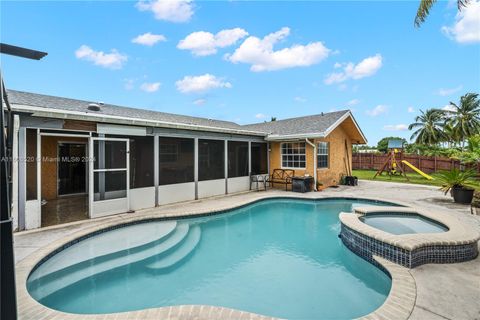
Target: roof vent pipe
{"x":93,"y":107}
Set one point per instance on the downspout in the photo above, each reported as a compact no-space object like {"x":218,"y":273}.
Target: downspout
{"x":314,"y":163}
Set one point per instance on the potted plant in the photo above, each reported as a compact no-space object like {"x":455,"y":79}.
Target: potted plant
{"x":456,"y":181}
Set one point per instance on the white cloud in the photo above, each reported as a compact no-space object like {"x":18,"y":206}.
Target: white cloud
{"x":260,"y":116}
{"x":449,"y":107}
{"x":203,"y":43}
{"x":365,"y":68}
{"x":203,"y":83}
{"x":300,"y":99}
{"x":353,"y":102}
{"x":378,"y":110}
{"x":446,"y":92}
{"x":199,"y":102}
{"x":466,"y":28}
{"x":395,"y":127}
{"x":168,"y":10}
{"x":150,"y":87}
{"x":112,"y":60}
{"x":410,"y":110}
{"x":260,"y":54}
{"x":149,"y":39}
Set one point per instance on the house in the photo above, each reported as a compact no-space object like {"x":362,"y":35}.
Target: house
{"x":79,"y":159}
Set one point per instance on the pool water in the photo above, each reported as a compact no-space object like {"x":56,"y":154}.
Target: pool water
{"x":278,"y":257}
{"x":403,"y":224}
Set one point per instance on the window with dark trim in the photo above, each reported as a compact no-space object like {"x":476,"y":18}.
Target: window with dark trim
{"x":259,"y":158}
{"x":293,"y":155}
{"x":322,"y":155}
{"x":211,"y":159}
{"x":237,"y":159}
{"x":176,"y":160}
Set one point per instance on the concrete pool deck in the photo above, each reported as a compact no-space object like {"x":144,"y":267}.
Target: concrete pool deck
{"x":448,"y":291}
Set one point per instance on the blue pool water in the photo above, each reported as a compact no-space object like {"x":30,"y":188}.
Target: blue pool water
{"x":403,"y":224}
{"x":277,"y":257}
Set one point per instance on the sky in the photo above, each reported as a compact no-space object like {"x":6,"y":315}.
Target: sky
{"x":248,"y":61}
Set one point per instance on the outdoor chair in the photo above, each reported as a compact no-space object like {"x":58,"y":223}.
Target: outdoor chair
{"x":259,"y":178}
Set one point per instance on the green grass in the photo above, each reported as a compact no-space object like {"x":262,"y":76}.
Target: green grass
{"x":413,"y":177}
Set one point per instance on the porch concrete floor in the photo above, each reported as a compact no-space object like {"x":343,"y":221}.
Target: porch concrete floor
{"x":448,"y":291}
{"x":64,"y":210}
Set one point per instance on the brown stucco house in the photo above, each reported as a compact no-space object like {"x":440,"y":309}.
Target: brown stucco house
{"x":318,"y":145}
{"x":82,"y":159}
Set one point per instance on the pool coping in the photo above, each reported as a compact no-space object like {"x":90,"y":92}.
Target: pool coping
{"x":398,"y":305}
{"x":458,"y":233}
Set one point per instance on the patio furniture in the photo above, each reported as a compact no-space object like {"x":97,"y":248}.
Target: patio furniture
{"x":259,"y":178}
{"x":282,"y":176}
{"x":302,"y":184}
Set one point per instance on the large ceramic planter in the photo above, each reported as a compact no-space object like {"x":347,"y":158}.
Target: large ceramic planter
{"x":462,"y":195}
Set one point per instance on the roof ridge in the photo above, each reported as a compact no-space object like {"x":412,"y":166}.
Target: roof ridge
{"x":297,"y":118}
{"x":118,"y":106}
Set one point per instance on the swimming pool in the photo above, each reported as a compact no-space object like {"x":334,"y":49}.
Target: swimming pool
{"x":403,"y":223}
{"x":278,"y":257}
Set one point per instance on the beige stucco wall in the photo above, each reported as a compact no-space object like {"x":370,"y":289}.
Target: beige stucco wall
{"x":338,"y":162}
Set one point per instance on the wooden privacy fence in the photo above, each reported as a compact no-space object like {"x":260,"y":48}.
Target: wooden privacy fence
{"x":374,"y":161}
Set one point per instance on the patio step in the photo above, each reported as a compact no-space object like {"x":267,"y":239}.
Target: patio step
{"x":109,"y":243}
{"x":184,"y":249}
{"x":59,"y":279}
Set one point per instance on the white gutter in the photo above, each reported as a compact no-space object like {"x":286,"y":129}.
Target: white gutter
{"x":276,"y":137}
{"x":77,"y":115}
{"x":314,"y":163}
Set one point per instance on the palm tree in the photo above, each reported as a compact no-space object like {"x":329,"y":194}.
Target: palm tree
{"x":428,"y":127}
{"x":426,"y":5}
{"x":465,"y":118}
{"x":451,"y":135}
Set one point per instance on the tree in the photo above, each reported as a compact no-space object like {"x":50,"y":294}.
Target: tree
{"x":273,"y":119}
{"x":465,"y":117}
{"x":428,"y":127}
{"x":382,"y":145}
{"x":426,"y":5}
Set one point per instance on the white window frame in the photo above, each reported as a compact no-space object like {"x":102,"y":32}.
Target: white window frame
{"x":323,"y":154}
{"x":300,"y":154}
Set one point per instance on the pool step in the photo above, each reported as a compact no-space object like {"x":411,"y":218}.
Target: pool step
{"x":183,"y":250}
{"x":109,"y":243}
{"x":59,"y":279}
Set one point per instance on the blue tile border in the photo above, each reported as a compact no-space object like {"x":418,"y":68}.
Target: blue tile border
{"x":366,"y":247}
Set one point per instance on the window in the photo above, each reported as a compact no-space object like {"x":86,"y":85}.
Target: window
{"x":176,"y":160}
{"x":211,"y":159}
{"x":293,"y":155}
{"x":237,"y":159}
{"x":259,"y":158}
{"x":322,"y":155}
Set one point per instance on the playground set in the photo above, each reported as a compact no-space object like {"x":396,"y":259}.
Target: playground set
{"x":393,"y":167}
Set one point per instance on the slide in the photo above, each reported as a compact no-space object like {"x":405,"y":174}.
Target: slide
{"x":420,"y":172}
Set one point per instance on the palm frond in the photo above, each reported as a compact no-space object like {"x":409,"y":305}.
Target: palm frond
{"x":423,"y":11}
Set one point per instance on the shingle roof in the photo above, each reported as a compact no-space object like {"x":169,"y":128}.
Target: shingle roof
{"x":308,"y":124}
{"x":318,"y":124}
{"x":45,"y":101}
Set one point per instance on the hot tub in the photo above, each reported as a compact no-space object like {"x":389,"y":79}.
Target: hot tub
{"x":398,"y":223}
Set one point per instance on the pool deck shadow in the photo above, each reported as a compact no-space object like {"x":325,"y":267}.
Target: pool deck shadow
{"x":441,"y":291}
